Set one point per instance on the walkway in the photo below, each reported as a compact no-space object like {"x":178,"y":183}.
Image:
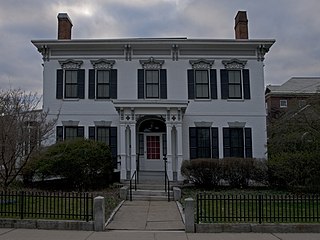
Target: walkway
{"x":147,"y":215}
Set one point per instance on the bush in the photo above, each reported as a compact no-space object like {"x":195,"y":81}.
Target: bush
{"x":295,"y":169}
{"x":82,"y":164}
{"x":203,"y":172}
{"x":238,"y":171}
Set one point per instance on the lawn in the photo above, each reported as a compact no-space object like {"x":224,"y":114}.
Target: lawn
{"x":253,"y":205}
{"x":55,"y":205}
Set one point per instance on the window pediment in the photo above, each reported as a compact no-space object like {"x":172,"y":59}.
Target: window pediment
{"x":103,"y":64}
{"x":237,"y":124}
{"x":151,"y":63}
{"x":70,"y":123}
{"x":234,"y":64}
{"x":201,"y":63}
{"x":70,"y":64}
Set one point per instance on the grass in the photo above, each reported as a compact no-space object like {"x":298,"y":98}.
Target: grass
{"x":50,"y":205}
{"x":245,"y":205}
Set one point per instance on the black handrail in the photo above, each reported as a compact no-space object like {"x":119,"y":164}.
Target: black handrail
{"x":134,"y":175}
{"x":166,"y":178}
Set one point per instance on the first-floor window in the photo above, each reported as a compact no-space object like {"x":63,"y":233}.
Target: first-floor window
{"x":203,"y":142}
{"x":107,"y":135}
{"x":69,"y":132}
{"x":237,"y":142}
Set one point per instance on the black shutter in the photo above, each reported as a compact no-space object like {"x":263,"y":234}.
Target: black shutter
{"x":163,"y":83}
{"x":224,"y":84}
{"x":248,"y":142}
{"x":59,"y":89}
{"x":80,"y":132}
{"x":226,"y":142}
{"x":190,"y":84}
{"x":81,"y":77}
{"x":92,"y":133}
{"x":113,"y":144}
{"x":59,"y":133}
{"x":92,"y":84}
{"x":246,"y":83}
{"x":140,"y":83}
{"x":213,"y":83}
{"x":215,"y":142}
{"x":113,"y":83}
{"x":193,"y":142}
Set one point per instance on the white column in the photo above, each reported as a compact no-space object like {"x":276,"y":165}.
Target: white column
{"x":179,"y":151}
{"x":122,"y":150}
{"x":133,"y":147}
{"x":169,"y":151}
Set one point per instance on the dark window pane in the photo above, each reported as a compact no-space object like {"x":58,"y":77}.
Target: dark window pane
{"x":71,"y":84}
{"x":202,"y":84}
{"x":103,"y":84}
{"x":152,"y":83}
{"x":71,"y":132}
{"x":103,"y":135}
{"x":235,"y":90}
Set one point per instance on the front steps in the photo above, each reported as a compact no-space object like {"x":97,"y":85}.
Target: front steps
{"x":150,"y":187}
{"x":149,"y":195}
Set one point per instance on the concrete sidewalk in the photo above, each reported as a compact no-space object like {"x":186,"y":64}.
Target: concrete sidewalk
{"x":147,"y":215}
{"x":34,"y":234}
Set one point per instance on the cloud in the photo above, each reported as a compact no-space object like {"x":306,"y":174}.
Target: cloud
{"x":293,"y":23}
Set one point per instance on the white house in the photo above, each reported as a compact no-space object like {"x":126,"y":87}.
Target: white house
{"x":153,"y":97}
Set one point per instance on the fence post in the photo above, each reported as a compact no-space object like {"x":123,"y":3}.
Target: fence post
{"x":189,"y":215}
{"x":260,"y":209}
{"x":21,"y":204}
{"x":99,"y":213}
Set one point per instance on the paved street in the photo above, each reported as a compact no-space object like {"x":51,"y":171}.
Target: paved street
{"x":33,"y":234}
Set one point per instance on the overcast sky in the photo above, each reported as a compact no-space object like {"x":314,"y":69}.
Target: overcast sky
{"x":294,"y":24}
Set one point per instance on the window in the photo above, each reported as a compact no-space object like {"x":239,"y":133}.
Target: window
{"x":69,"y":132}
{"x":235,"y":91}
{"x":70,"y":84}
{"x":108,"y":135}
{"x":283,"y":103}
{"x":202,"y":84}
{"x":235,"y":84}
{"x":203,"y":142}
{"x":302,"y":103}
{"x":237,"y":142}
{"x":103,"y":84}
{"x":152,"y":83}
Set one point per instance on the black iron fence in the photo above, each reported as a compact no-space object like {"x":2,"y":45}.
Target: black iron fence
{"x":46,"y":205}
{"x":212,"y":208}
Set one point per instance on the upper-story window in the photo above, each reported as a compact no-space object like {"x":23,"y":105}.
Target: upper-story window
{"x":103,"y":80}
{"x":70,"y":80}
{"x":283,"y":103}
{"x":202,"y":80}
{"x":235,"y":83}
{"x":152,"y":79}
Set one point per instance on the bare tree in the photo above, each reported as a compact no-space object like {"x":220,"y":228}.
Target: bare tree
{"x":23,"y":127}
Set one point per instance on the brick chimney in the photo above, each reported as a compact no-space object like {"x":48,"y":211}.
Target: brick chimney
{"x":241,"y":25}
{"x":64,"y":26}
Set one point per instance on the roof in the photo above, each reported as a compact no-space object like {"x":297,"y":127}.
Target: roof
{"x":298,"y":85}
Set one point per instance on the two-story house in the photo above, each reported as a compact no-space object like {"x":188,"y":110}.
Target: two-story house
{"x":153,"y":97}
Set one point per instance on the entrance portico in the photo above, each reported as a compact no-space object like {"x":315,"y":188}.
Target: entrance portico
{"x":148,"y":131}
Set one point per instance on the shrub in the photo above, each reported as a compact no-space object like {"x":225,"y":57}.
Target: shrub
{"x":205,"y":173}
{"x":238,"y":171}
{"x":295,"y":169}
{"x":81,"y":163}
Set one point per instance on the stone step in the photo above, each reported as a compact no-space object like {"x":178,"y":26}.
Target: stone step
{"x":141,"y":192}
{"x":150,"y":198}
